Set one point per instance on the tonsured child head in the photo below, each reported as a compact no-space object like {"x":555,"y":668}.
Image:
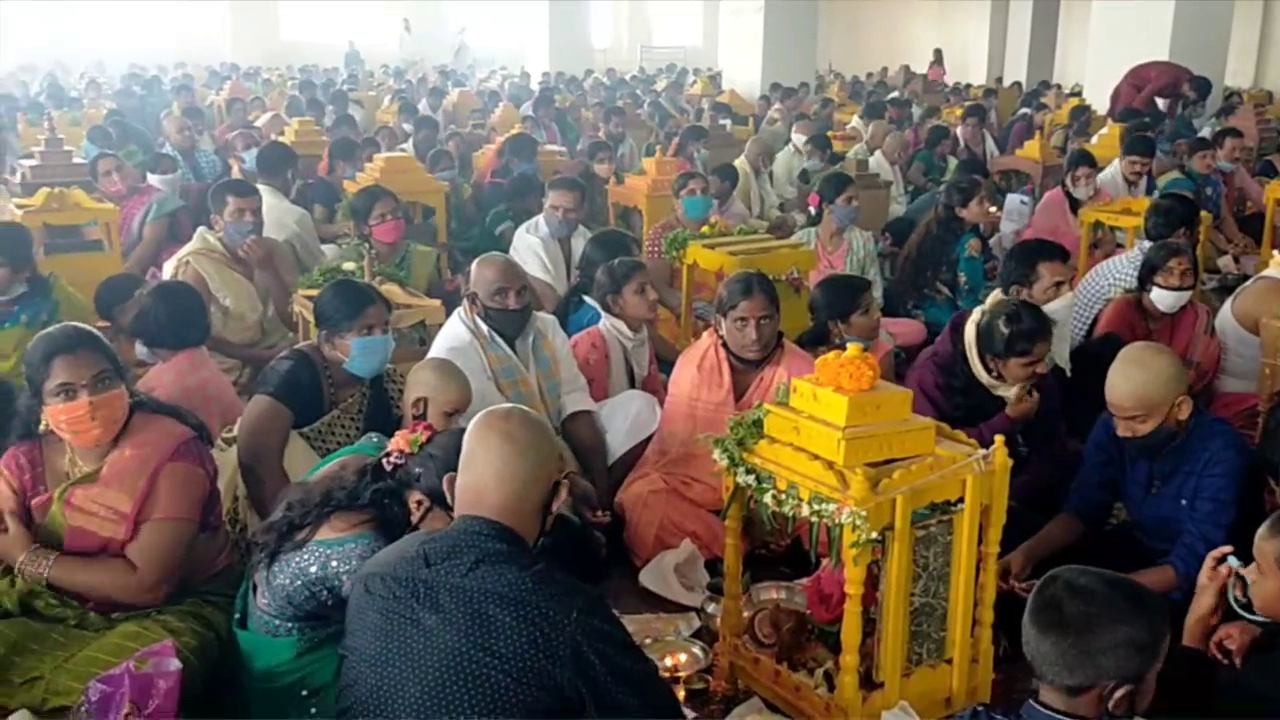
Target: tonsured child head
{"x":1095,"y":641}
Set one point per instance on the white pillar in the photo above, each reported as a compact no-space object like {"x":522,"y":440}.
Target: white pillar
{"x":1245,"y":48}
{"x":570,"y":49}
{"x":763,"y":41}
{"x":1031,"y":41}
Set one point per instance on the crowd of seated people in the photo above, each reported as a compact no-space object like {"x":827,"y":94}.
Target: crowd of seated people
{"x":184,"y":472}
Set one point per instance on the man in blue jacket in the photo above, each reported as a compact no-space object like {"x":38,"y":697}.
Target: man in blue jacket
{"x":1176,"y":470}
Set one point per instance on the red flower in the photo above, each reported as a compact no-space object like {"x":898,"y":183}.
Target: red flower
{"x":825,"y":595}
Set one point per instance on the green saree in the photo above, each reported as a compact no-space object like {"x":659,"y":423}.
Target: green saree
{"x":51,"y":646}
{"x":285,"y":677}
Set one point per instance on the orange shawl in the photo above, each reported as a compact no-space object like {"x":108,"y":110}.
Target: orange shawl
{"x":677,"y":490}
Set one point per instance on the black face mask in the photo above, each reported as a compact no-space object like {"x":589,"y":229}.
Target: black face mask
{"x":1154,"y":442}
{"x":508,"y":324}
{"x":747,"y":362}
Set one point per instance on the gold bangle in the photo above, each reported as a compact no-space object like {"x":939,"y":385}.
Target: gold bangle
{"x":35,"y":564}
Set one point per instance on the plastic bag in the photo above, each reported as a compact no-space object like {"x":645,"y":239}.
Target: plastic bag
{"x":147,"y":685}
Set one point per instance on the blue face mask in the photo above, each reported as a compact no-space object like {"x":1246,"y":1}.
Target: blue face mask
{"x":446,"y":175}
{"x":697,"y":207}
{"x":526,"y":168}
{"x":1226,"y":167}
{"x":249,"y":160}
{"x":558,"y":227}
{"x":235,"y":233}
{"x":349,"y":174}
{"x":844,"y":215}
{"x":369,"y":355}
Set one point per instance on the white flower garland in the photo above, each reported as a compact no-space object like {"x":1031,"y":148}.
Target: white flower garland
{"x":729,"y":452}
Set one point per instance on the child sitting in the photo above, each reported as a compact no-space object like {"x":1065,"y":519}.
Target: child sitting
{"x":437,"y":392}
{"x":1095,"y":641}
{"x":1229,"y":669}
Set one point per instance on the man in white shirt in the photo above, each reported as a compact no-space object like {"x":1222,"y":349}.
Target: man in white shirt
{"x":887,"y":163}
{"x":277,"y":165}
{"x":1130,"y":174}
{"x":433,"y":105}
{"x":789,"y":163}
{"x":549,"y":245}
{"x":512,"y":354}
{"x":755,"y":189}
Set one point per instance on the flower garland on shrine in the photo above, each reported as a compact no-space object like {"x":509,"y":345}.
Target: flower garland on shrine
{"x":759,"y":487}
{"x":676,"y":243}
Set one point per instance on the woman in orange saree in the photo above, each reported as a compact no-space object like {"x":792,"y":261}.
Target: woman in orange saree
{"x":112,"y":538}
{"x":676,"y":490}
{"x":1161,"y":310}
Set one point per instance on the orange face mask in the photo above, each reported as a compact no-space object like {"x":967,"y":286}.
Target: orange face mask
{"x":91,"y":421}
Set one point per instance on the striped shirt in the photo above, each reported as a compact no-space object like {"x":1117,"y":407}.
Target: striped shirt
{"x":1104,"y":282}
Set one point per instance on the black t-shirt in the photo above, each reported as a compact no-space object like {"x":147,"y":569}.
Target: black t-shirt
{"x":323,"y":193}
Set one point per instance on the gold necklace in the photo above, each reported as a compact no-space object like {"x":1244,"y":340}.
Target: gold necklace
{"x":75,"y":469}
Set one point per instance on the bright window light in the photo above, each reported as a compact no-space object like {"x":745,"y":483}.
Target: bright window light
{"x":676,"y":23}
{"x":601,"y":24}
{"x":369,"y":23}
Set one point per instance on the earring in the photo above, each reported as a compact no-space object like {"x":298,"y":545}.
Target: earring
{"x":44,"y":428}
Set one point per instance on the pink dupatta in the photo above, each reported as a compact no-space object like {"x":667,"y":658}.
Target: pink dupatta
{"x":1053,"y":220}
{"x":677,"y":490}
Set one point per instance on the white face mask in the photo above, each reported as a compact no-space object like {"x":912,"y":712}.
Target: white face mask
{"x":144,"y":353}
{"x":168,"y":183}
{"x":1059,"y":311}
{"x":1084,"y":192}
{"x":1169,"y":301}
{"x":15,"y":290}
{"x":799,"y":139}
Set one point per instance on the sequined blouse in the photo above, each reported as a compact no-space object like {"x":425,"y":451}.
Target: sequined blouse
{"x":306,"y":590}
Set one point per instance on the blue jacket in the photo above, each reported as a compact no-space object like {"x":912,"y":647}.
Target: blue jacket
{"x":1030,"y":710}
{"x":1182,"y":504}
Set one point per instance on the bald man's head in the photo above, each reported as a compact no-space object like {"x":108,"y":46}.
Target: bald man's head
{"x":177,"y":130}
{"x":520,"y":494}
{"x":436,"y":391}
{"x":877,"y":131}
{"x":1147,"y":390}
{"x":805,"y":128}
{"x":895,"y":147}
{"x":496,"y":281}
{"x":759,"y":154}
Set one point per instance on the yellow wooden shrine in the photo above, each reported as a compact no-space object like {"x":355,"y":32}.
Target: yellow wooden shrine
{"x":737,"y":103}
{"x":73,"y":126}
{"x":77,"y":238}
{"x":308,"y":140}
{"x":504,"y":120}
{"x":1124,"y":214}
{"x":708,"y":262}
{"x":1272,"y":197}
{"x":54,"y":164}
{"x":460,"y":103}
{"x":868,"y":452}
{"x":650,"y":193}
{"x":403,"y":175}
{"x":1107,"y":146}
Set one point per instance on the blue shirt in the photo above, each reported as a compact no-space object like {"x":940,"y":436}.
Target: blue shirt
{"x":1030,"y":710}
{"x":1182,"y":504}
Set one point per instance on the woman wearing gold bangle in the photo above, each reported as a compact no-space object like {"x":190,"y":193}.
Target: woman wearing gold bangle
{"x":112,"y":536}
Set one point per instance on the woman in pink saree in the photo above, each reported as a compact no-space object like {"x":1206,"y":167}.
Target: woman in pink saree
{"x":153,"y":223}
{"x":1057,"y":216}
{"x":676,"y":491}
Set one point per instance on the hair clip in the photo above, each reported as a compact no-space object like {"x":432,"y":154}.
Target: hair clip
{"x":405,"y":443}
